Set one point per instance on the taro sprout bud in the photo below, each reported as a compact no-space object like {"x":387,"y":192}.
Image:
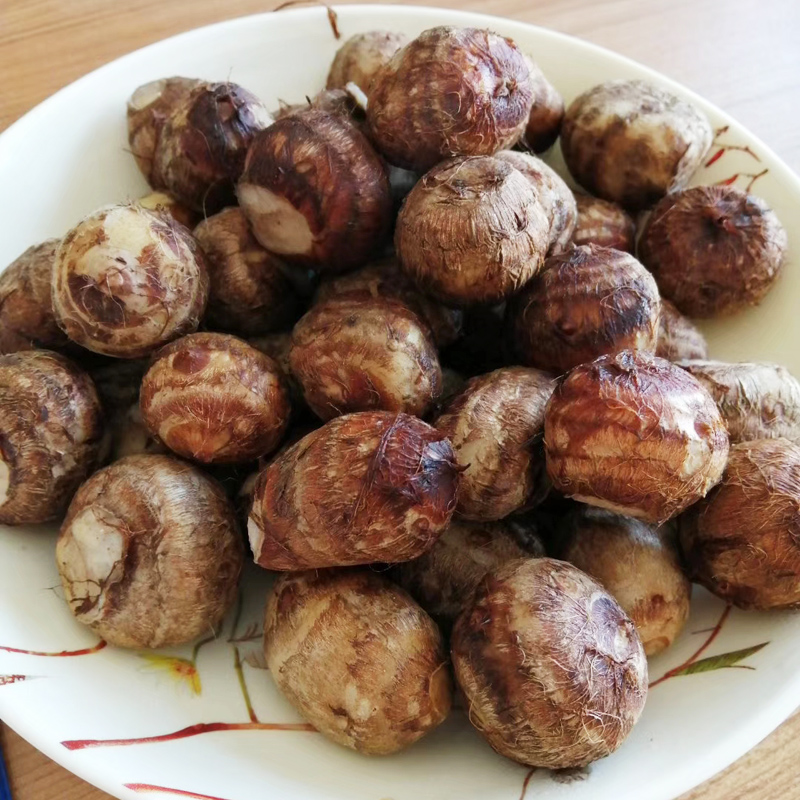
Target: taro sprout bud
{"x":472,"y":231}
{"x":167,"y":204}
{"x":714,"y":250}
{"x":213,"y":398}
{"x":552,"y":668}
{"x":363,"y":488}
{"x":316,"y":193}
{"x":361,"y":56}
{"x":741,"y":542}
{"x":350,"y":104}
{"x":149,"y":554}
{"x":678,"y":337}
{"x":358,"y":658}
{"x":586,"y":302}
{"x":249,"y":292}
{"x":631,"y":142}
{"x":547,"y":114}
{"x":604,"y":224}
{"x":495,"y":425}
{"x":638,"y":564}
{"x":127,"y":280}
{"x":609,"y":417}
{"x":452,"y":91}
{"x":51,"y":430}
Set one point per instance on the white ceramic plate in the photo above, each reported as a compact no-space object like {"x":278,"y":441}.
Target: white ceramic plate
{"x":67,"y":157}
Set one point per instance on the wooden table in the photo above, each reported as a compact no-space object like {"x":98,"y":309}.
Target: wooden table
{"x":740,"y":54}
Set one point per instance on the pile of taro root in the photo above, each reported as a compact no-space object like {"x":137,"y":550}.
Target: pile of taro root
{"x":460,"y":410}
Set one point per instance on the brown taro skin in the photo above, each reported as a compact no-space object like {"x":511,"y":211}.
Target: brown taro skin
{"x":128,"y":280}
{"x":603,"y":223}
{"x":757,"y":401}
{"x":547,"y":114}
{"x":742,"y":541}
{"x":214,"y":398}
{"x":367,"y":487}
{"x":552,"y":668}
{"x":361,"y":56}
{"x":167,"y":204}
{"x":678,"y":337}
{"x":714,"y":250}
{"x":352,"y":353}
{"x":202,"y":146}
{"x":27,"y":320}
{"x":586,"y":302}
{"x":635,"y":434}
{"x":249,"y":292}
{"x":472,"y":231}
{"x":349,"y":104}
{"x":51,"y":431}
{"x":450,"y":92}
{"x":358,"y":658}
{"x":495,"y":425}
{"x":631,"y":142}
{"x":149,"y":553}
{"x":638,"y":564}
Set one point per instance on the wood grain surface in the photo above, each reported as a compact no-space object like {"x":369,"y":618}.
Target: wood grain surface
{"x":741,"y":55}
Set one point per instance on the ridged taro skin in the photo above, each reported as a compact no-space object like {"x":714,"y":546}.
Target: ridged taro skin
{"x":351,"y":353}
{"x":552,"y":668}
{"x":472,"y":231}
{"x":149,"y":553}
{"x":202,"y":146}
{"x":714,"y":250}
{"x":127,"y":281}
{"x":367,"y":487}
{"x":27,"y":320}
{"x":51,"y":430}
{"x":249,"y":292}
{"x":635,"y":434}
{"x":358,"y":658}
{"x":586,"y":302}
{"x":631,"y":142}
{"x":757,"y":401}
{"x":742,"y":541}
{"x":678,"y":337}
{"x":449,"y":92}
{"x":360,"y":58}
{"x":638,"y":564}
{"x":603,"y":223}
{"x":214,"y":398}
{"x":316,"y":193}
{"x":555,"y":196}
{"x":444,"y":579}
{"x":547,"y":114}
{"x":495,"y":425}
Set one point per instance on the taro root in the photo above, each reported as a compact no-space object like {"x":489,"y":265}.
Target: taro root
{"x":635,"y":434}
{"x":384,"y":279}
{"x":127,"y":280}
{"x":757,"y":401}
{"x":365,"y":487}
{"x":638,"y":564}
{"x":354,"y":353}
{"x":495,"y":426}
{"x":149,"y":554}
{"x":631,"y":141}
{"x":361,"y":56}
{"x":604,"y":224}
{"x":203,"y":143}
{"x":472,"y":231}
{"x":148,"y":109}
{"x":213,"y":398}
{"x":586,"y":302}
{"x":51,"y":430}
{"x":249,"y":292}
{"x":714,"y":250}
{"x":452,"y":91}
{"x":552,"y":668}
{"x":316,"y":193}
{"x":678,"y":337}
{"x":547,"y":114}
{"x":444,"y":579}
{"x":743,"y":541}
{"x":277,"y":347}
{"x":27,"y":320}
{"x":555,"y":196}
{"x":167,"y":204}
{"x":357,"y":658}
